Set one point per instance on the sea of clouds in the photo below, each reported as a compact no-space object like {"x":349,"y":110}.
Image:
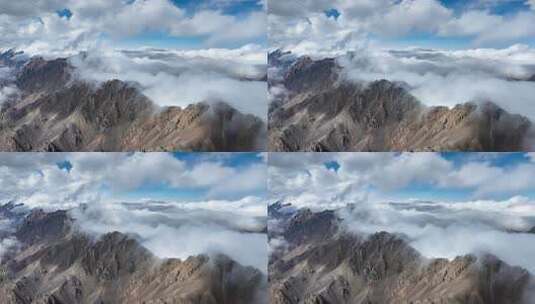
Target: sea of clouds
{"x":226,"y":214}
{"x":370,"y":192}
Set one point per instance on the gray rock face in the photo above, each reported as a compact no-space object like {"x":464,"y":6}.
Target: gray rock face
{"x":58,"y":264}
{"x":341,"y":267}
{"x":57,"y":112}
{"x":321,"y":111}
{"x":12,"y":58}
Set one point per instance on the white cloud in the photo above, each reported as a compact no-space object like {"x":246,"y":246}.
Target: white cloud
{"x":225,"y":214}
{"x":375,"y":33}
{"x":277,"y":245}
{"x":221,"y":28}
{"x":37,"y":28}
{"x":180,"y":78}
{"x":7,"y":92}
{"x":447,"y":230}
{"x":377,"y":185}
{"x":303,"y":26}
{"x":304,"y":180}
{"x":488,"y":28}
{"x":36,"y":180}
{"x":412,"y":16}
{"x":6,"y":245}
{"x":441,"y":78}
{"x":180,"y":230}
{"x":210,"y":72}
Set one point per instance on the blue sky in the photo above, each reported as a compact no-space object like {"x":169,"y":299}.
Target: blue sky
{"x":502,"y":160}
{"x":236,"y":7}
{"x":424,"y":176}
{"x":427,"y":40}
{"x":505,"y":161}
{"x":163,"y":39}
{"x":423,"y":190}
{"x":183,"y":24}
{"x":183,"y":177}
{"x":397,"y":176}
{"x":496,"y":7}
{"x":445,"y":24}
{"x":162,"y":190}
{"x":507,"y":9}
{"x":235,"y":160}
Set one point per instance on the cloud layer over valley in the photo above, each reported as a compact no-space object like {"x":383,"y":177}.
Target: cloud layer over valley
{"x":448,"y":78}
{"x":175,"y":205}
{"x":67,"y":27}
{"x":445,"y":205}
{"x":180,"y":78}
{"x":444,"y":52}
{"x":177,"y":52}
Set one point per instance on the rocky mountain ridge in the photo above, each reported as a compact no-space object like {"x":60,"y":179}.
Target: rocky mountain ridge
{"x":56,"y":111}
{"x":323,"y":111}
{"x":56,"y":263}
{"x":323,"y":263}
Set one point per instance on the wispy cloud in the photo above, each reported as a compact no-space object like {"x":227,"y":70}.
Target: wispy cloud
{"x":444,"y":205}
{"x":305,"y":25}
{"x":36,"y":180}
{"x":37,"y":27}
{"x":175,"y":205}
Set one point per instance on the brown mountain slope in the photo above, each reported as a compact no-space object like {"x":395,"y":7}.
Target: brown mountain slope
{"x":56,"y":264}
{"x":324,"y":112}
{"x":338,"y":267}
{"x":57,"y":112}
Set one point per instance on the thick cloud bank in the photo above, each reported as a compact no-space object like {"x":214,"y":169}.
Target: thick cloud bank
{"x":179,"y":78}
{"x":447,"y":230}
{"x":444,"y":204}
{"x":309,"y":180}
{"x":43,"y":180}
{"x":174,"y":230}
{"x":447,"y":78}
{"x":175,"y":205}
{"x":447,"y":52}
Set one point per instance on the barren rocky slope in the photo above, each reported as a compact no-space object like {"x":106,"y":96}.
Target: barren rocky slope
{"x":55,"y":111}
{"x":323,"y":264}
{"x":55,"y":263}
{"x":320,"y":110}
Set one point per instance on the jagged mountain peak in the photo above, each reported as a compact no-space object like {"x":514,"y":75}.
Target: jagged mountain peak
{"x":57,"y":111}
{"x":324,"y":111}
{"x":41,"y":226}
{"x":59,"y":265}
{"x":40,"y":75}
{"x":345,"y":267}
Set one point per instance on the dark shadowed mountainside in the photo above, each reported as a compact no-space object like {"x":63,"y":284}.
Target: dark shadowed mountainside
{"x":56,"y":263}
{"x":55,"y":111}
{"x":320,"y":110}
{"x":323,"y":263}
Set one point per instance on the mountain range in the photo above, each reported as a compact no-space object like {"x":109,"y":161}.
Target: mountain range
{"x":53,"y":262}
{"x":321,"y":262}
{"x":54,"y":110}
{"x":316,"y":108}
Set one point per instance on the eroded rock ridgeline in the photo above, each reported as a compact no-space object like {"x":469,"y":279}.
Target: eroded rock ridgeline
{"x":323,"y":111}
